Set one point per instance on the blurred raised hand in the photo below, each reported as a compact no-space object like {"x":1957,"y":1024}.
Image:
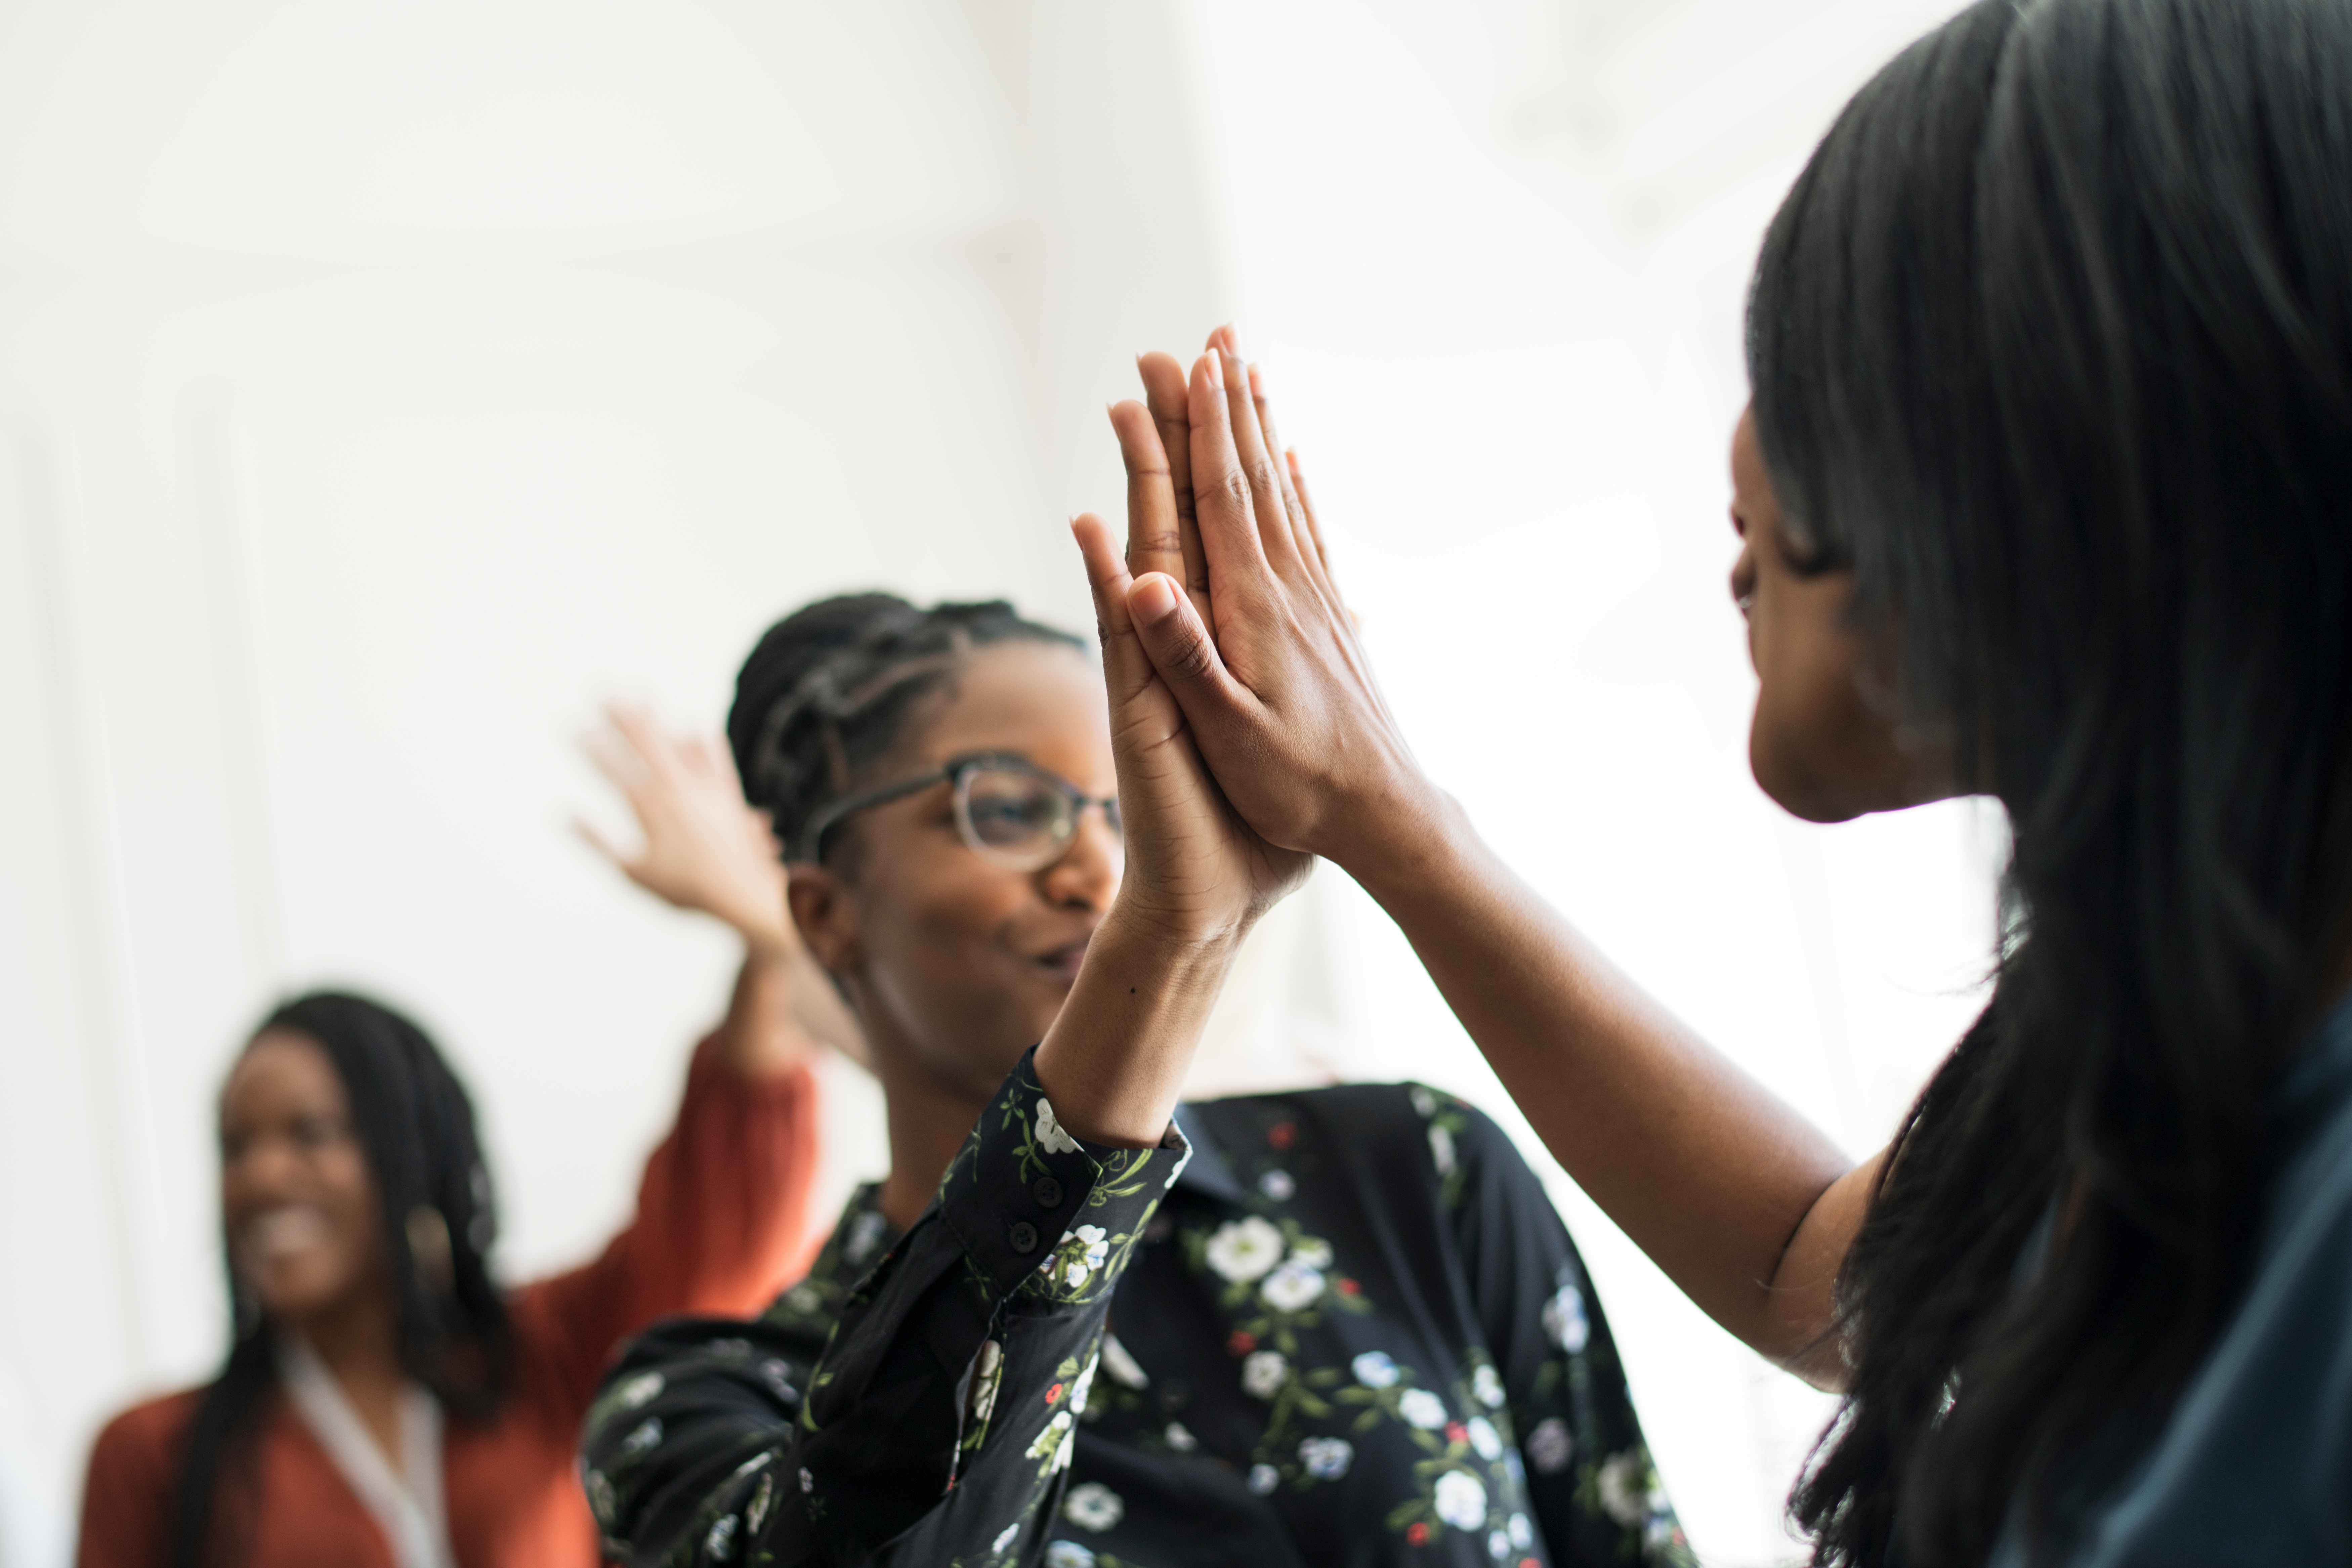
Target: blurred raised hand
{"x":701,"y":848}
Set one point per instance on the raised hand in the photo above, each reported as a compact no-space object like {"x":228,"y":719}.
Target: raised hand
{"x":701,"y":847}
{"x":1242,"y":621}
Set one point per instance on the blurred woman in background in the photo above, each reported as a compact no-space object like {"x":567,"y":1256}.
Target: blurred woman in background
{"x":385,"y":1401}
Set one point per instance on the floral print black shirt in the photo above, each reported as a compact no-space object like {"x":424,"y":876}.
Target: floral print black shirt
{"x":1339,"y":1326}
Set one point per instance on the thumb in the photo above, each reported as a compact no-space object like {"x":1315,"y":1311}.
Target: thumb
{"x":1177,"y":643}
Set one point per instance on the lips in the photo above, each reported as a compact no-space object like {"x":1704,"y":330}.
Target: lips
{"x":276,"y":1234}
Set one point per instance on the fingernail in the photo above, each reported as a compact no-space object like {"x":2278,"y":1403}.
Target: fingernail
{"x":1154,"y":598}
{"x":1216,"y":369}
{"x":1258,"y":381}
{"x":1234,"y":339}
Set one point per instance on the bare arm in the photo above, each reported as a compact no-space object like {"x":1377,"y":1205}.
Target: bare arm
{"x":704,"y":849}
{"x":1741,"y":1201}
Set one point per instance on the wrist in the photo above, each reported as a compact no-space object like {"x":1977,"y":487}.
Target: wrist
{"x":1395,"y":830}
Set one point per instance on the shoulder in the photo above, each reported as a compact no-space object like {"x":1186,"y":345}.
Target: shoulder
{"x":138,"y":1451}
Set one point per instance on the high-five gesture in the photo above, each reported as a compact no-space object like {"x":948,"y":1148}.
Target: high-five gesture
{"x":1235,"y":603}
{"x":1746,"y":1205}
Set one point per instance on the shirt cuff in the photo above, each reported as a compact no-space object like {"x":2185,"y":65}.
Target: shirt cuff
{"x":1042,"y":1213}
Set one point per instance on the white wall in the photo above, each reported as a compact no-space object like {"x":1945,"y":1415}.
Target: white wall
{"x":381,"y":386}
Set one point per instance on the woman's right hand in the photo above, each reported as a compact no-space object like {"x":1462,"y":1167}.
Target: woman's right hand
{"x":1256,"y":642}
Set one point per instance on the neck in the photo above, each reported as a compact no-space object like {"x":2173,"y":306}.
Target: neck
{"x":929,"y":1117}
{"x":359,"y":1339}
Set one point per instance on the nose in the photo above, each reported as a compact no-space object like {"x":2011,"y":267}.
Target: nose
{"x":1088,"y":874}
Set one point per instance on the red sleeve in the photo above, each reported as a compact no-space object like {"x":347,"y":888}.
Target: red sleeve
{"x":126,"y":1499}
{"x":721,"y":1225}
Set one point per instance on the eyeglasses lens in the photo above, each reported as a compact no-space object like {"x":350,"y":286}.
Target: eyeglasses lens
{"x":1014,"y":817}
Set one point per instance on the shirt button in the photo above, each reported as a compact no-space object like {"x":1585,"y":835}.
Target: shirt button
{"x":1047,"y":1192}
{"x":1024,"y":1237}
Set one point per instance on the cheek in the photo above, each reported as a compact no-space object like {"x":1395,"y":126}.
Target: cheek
{"x":1812,"y":740}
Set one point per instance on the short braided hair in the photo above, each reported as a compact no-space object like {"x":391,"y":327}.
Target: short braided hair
{"x":826,"y":694}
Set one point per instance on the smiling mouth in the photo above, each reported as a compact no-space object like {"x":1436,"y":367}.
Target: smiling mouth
{"x":277,"y":1234}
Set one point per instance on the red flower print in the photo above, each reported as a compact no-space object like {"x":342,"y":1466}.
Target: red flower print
{"x":1240,"y":1343}
{"x":1418,"y":1535}
{"x":1349,"y":1288}
{"x":1283,"y":1134}
{"x":1053,"y":1394}
{"x":1457,"y":1433}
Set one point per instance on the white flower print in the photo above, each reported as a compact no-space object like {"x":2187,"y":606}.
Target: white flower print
{"x":1079,"y":1255}
{"x":1093,"y":1506}
{"x":1487,"y":1387}
{"x":1461,"y":1500}
{"x":1180,"y":1437}
{"x":1564,"y":1321}
{"x":1278,"y":1185}
{"x":1263,"y":1374}
{"x":1292,"y":1287}
{"x":648,"y":1433}
{"x":1052,"y":1445}
{"x":1484,"y":1438}
{"x":1068,"y":1554}
{"x":808,"y":1483}
{"x":1313,"y":1251}
{"x":1549,"y":1446}
{"x":720,"y":1544}
{"x":1440,"y":1149}
{"x":1622,"y":1489}
{"x":1327,"y":1458}
{"x":1498,"y":1545}
{"x":1424,"y":1101}
{"x":987,"y":1372}
{"x":1523,"y":1534}
{"x":640,"y":1389}
{"x":1243,"y":1249}
{"x":1050,"y":1136}
{"x":1375,"y":1369}
{"x":1422,"y":1409}
{"x":1004,"y":1537}
{"x":779,"y":1376}
{"x":1264,"y":1479}
{"x":1122,"y":1365}
{"x":762,"y":1501}
{"x":1086,"y":1382}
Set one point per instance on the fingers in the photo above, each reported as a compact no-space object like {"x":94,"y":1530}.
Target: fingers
{"x":1126,"y":668}
{"x":1256,"y":453}
{"x":1154,"y":539}
{"x":1220,"y":494}
{"x":622,"y":860}
{"x":1306,"y":512}
{"x":1166,"y":391}
{"x":1171,"y":633}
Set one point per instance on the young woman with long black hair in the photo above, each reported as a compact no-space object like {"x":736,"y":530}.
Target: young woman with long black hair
{"x":385,"y":1401}
{"x":2045,"y":494}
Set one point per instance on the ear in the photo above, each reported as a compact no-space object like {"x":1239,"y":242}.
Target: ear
{"x":825,"y":912}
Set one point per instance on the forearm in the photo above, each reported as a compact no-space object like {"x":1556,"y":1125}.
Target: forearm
{"x":761,"y":1035}
{"x":1715,"y":1177}
{"x":1114,"y":1058}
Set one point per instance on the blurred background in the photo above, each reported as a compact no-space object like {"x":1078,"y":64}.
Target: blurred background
{"x":382,"y":386}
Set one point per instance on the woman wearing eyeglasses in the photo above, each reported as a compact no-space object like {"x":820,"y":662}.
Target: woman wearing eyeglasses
{"x":1339,"y":1324}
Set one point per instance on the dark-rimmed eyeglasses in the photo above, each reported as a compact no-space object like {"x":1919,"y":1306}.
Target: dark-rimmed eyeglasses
{"x":1008,"y":810}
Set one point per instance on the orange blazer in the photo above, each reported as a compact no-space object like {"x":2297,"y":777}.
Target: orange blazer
{"x":721,"y":1224}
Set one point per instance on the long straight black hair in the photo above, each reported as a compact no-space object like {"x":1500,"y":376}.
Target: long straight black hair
{"x":415,"y":1126}
{"x":2052,"y":346}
